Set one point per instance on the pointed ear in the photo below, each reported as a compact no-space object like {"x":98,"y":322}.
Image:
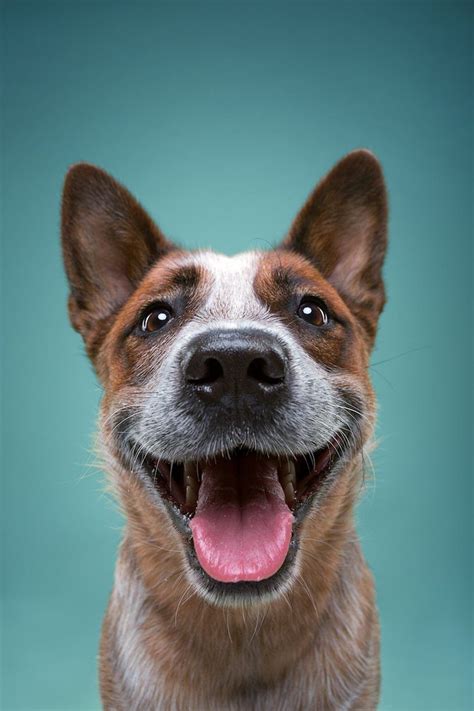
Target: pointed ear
{"x":342,"y":229}
{"x":109,"y":242}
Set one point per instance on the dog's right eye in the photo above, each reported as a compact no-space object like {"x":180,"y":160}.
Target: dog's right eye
{"x":156,"y":319}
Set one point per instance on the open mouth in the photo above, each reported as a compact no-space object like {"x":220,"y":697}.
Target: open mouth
{"x":241,"y":507}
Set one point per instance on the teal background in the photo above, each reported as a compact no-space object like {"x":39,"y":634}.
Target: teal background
{"x":220,"y":118}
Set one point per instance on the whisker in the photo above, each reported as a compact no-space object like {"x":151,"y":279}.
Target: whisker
{"x":400,"y":355}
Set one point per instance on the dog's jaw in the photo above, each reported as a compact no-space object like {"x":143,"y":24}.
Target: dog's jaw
{"x":265,"y":501}
{"x":156,"y":617}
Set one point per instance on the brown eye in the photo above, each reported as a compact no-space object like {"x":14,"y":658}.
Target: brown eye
{"x":156,"y":319}
{"x":313,"y":313}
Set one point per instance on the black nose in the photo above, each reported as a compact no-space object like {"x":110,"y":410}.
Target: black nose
{"x":235,"y":363}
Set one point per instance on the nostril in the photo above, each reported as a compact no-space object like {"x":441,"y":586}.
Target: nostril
{"x":268,"y":371}
{"x":205,"y":372}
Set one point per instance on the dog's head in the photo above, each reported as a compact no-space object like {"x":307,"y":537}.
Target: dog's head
{"x":237,"y":398}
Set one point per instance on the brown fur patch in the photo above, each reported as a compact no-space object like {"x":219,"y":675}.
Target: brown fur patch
{"x":283,"y":280}
{"x":126,"y":360}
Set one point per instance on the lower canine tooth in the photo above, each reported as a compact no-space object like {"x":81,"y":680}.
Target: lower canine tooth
{"x":190,"y":471}
{"x":191,"y":483}
{"x":288,"y":471}
{"x":190,"y":496}
{"x":289,"y":493}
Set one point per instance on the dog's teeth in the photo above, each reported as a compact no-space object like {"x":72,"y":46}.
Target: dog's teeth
{"x":288,"y":472}
{"x":190,"y":471}
{"x":289,"y":493}
{"x":292,"y":469}
{"x":191,"y":498}
{"x":191,"y":483}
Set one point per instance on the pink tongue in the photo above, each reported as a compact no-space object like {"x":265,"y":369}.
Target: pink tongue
{"x":242,"y":525}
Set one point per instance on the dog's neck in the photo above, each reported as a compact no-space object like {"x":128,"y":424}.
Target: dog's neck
{"x":163,"y":639}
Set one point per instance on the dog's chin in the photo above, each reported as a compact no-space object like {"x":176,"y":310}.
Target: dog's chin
{"x":240,"y":515}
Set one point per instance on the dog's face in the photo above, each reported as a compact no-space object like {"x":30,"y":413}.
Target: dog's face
{"x":236,"y":388}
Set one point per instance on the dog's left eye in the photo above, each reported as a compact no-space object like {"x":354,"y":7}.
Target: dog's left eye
{"x":156,"y":319}
{"x":313,"y":313}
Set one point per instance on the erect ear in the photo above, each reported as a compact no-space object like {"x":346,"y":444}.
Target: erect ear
{"x":109,"y":242}
{"x":342,"y":229}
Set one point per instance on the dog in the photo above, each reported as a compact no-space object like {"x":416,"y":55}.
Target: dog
{"x":236,"y":418}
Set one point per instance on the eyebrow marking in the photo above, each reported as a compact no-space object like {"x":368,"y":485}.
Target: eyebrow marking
{"x":288,"y":278}
{"x":185,"y":277}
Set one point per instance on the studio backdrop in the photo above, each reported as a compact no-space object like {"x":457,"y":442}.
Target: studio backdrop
{"x":220,"y":117}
